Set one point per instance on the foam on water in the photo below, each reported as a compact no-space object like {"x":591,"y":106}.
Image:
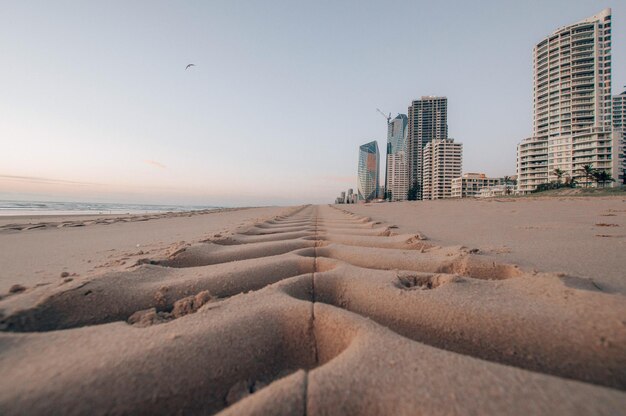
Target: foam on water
{"x":62,"y":208}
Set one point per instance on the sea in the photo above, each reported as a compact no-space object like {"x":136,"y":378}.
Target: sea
{"x":86,"y":208}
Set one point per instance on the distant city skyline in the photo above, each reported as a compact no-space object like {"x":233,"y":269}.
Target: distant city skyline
{"x":96,"y":103}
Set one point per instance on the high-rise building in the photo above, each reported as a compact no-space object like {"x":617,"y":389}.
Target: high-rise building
{"x":350,"y":197}
{"x":619,"y":125}
{"x":571,"y":104}
{"x":427,"y":121}
{"x":397,"y":177}
{"x":368,"y":172}
{"x":442,"y":163}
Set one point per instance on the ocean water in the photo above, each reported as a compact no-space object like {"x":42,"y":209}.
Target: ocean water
{"x":74,"y":208}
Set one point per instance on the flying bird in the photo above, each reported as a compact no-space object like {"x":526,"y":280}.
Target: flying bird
{"x":187,"y":67}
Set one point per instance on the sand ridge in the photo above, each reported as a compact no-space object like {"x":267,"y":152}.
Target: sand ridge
{"x":43,"y":256}
{"x":317,"y":311}
{"x":543,"y":234}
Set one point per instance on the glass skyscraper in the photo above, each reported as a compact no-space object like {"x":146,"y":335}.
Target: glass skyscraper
{"x":397,"y":176}
{"x":368,"y":171}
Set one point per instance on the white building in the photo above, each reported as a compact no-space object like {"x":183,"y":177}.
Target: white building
{"x":491,"y":191}
{"x":442,"y":163}
{"x":398,"y":176}
{"x":532,"y":164}
{"x":572,"y":105}
{"x":470,"y":184}
{"x":619,"y":124}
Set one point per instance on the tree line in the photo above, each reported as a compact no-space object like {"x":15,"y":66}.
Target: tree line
{"x":599,"y":176}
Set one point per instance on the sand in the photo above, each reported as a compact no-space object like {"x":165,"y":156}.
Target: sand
{"x":84,"y":245}
{"x":580,"y":236}
{"x":318,"y":310}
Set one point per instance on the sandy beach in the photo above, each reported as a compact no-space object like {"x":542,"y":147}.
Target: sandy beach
{"x":579,"y":236}
{"x":38,"y":249}
{"x":510,"y":306}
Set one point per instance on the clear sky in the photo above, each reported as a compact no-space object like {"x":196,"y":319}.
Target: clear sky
{"x":96,"y":104}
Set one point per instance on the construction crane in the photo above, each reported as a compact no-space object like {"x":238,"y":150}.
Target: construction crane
{"x":388,"y":117}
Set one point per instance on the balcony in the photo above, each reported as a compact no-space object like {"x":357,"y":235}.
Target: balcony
{"x":582,"y":42}
{"x":577,"y":68}
{"x":582,"y":61}
{"x":577,"y":57}
{"x":586,"y":81}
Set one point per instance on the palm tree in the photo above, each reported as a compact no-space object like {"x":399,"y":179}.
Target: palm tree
{"x":506,"y":181}
{"x":587,"y":171}
{"x":413,"y":192}
{"x":602,"y":177}
{"x":570,"y":181}
{"x":558,"y":172}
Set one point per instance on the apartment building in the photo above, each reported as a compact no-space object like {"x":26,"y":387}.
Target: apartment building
{"x":532,"y":164}
{"x":427,"y":121}
{"x":571,"y":104}
{"x":619,"y":126}
{"x":442,"y":163}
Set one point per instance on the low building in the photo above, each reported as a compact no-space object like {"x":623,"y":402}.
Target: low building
{"x":532,"y":164}
{"x":491,"y":191}
{"x":470,"y":184}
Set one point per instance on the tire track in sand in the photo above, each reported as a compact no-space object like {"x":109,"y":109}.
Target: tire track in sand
{"x":262,"y":319}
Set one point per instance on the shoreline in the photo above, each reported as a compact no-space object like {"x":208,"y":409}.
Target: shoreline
{"x":37,"y":219}
{"x":32,"y":208}
{"x":47,"y":214}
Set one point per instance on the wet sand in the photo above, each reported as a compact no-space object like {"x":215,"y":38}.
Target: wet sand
{"x":316,"y":310}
